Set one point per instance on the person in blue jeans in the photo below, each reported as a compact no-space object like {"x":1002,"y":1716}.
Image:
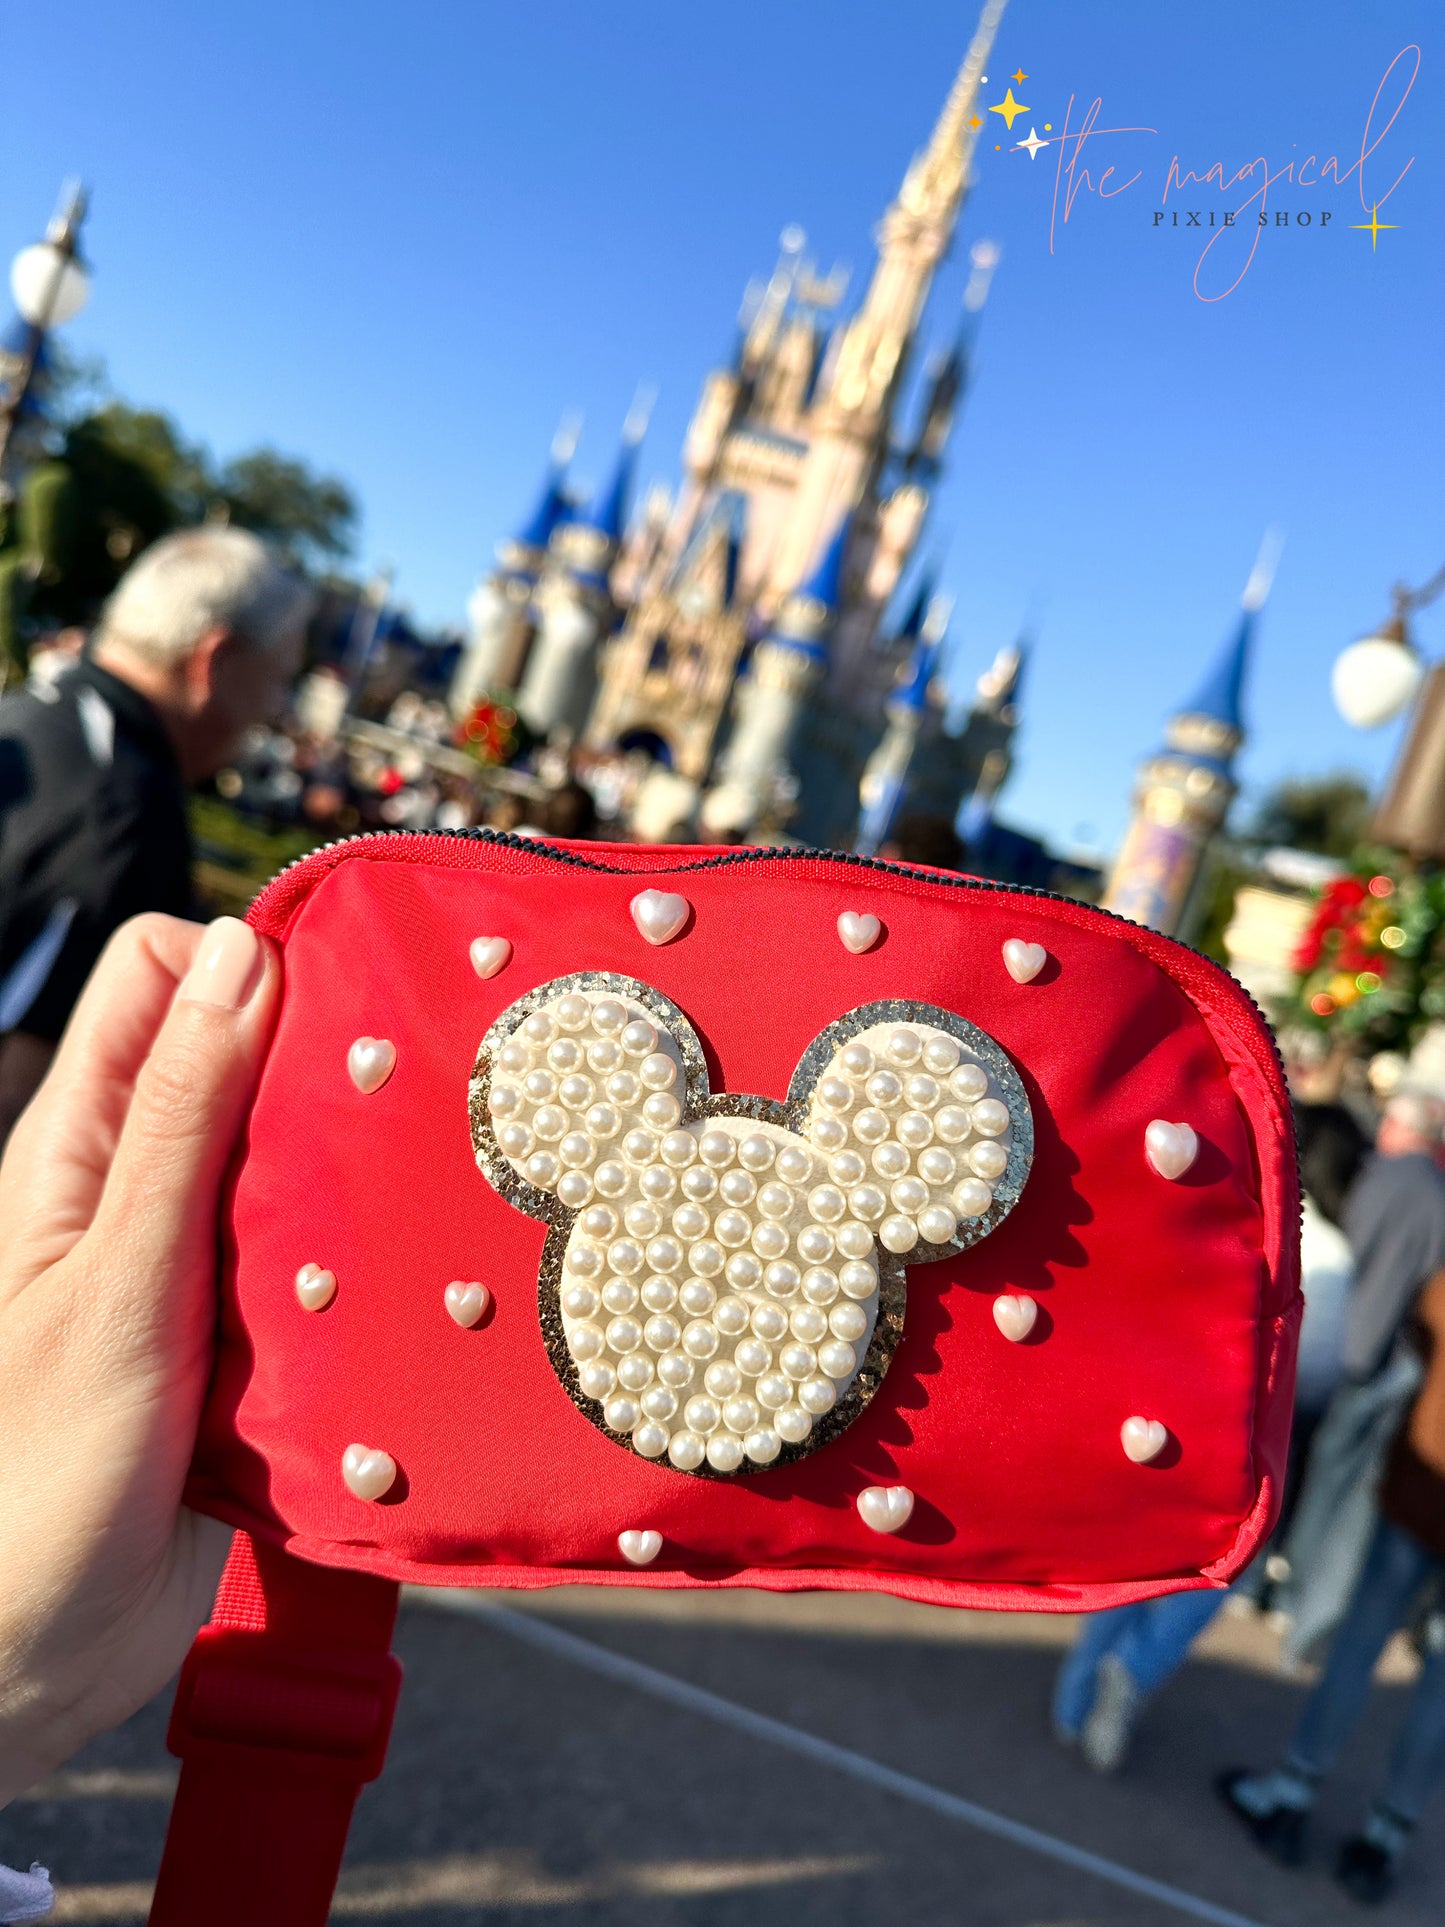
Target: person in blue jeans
{"x":1124,"y":1656}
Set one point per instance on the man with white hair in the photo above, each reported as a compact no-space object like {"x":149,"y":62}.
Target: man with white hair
{"x":197,"y":644}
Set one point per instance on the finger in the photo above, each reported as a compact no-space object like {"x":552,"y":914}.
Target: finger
{"x":157,"y":1214}
{"x":56,"y":1163}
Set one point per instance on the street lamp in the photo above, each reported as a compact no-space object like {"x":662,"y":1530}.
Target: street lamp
{"x":50,"y":286}
{"x":1374,"y":680}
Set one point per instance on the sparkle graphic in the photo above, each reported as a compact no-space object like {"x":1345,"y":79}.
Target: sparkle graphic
{"x":1032,"y":145}
{"x":1010,"y":109}
{"x":1374,"y":227}
{"x":1020,"y":76}
{"x":975,"y":122}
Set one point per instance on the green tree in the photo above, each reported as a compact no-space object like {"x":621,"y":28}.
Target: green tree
{"x":309,"y":517}
{"x":1326,"y":814}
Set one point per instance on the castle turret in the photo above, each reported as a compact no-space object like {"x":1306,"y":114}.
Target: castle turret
{"x":574,"y":605}
{"x":885,"y":783}
{"x":1183,"y":792}
{"x":787,"y":666}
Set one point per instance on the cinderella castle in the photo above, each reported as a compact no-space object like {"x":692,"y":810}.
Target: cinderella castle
{"x":763,"y":652}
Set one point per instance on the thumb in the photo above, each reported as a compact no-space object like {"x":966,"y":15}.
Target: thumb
{"x":191,"y":1095}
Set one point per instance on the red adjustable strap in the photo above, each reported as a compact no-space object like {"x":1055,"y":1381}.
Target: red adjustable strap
{"x":283,"y":1712}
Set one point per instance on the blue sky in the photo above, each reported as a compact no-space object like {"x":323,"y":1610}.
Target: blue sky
{"x":401,"y":241}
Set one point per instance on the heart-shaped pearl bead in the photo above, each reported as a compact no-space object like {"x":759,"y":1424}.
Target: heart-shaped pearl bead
{"x":371,"y":1060}
{"x":1170,"y":1148}
{"x":639,"y":1548}
{"x":489,"y":955}
{"x":858,"y":930}
{"x":1023,"y":961}
{"x":315,"y":1288}
{"x":1143,"y":1439}
{"x":885,"y":1508}
{"x":659,"y":915}
{"x":466,"y":1303}
{"x":368,"y":1472}
{"x":1014,"y":1315}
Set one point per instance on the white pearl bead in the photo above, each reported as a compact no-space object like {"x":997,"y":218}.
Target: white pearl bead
{"x":564,"y":1054}
{"x":686,"y":1450}
{"x":820,"y":1286}
{"x":586,"y":1260}
{"x":854,"y":1240}
{"x":608,"y":1017}
{"x":513,"y":1056}
{"x":540,"y":1085}
{"x":722,"y":1378}
{"x":642,"y":1218}
{"x":690,"y":1222}
{"x":574,"y":1188}
{"x":847,"y":1168}
{"x":679,"y":1149}
{"x":741,"y":1413}
{"x":817,"y":1395}
{"x":756,"y":1153}
{"x":856,"y":1060}
{"x":657,"y":1183}
{"x":769,"y":1322}
{"x":837,"y":1359}
{"x":700,"y":1340}
{"x":776,"y":1200}
{"x":664,"y":1254}
{"x":990,"y":1118}
{"x":829,"y":1133}
{"x":904,"y":1046}
{"x":543,"y":1170}
{"x":573,"y":1012}
{"x":738,"y":1187}
{"x":744,"y":1271}
{"x":857,"y":1279}
{"x":921,"y":1091}
{"x":701,"y":1414}
{"x":538,"y":1028}
{"x":951,"y":1122}
{"x":624,"y":1256}
{"x":870,"y":1127}
{"x":937,"y":1224}
{"x":969,"y":1083}
{"x":619,"y":1296}
{"x":650,"y":1439}
{"x":815,"y":1244}
{"x":848,"y":1321}
{"x":661,"y":1111}
{"x":909,"y":1195}
{"x":763,"y":1445}
{"x":605,"y":1055}
{"x":610,"y":1178}
{"x":706,"y":1258}
{"x":937,"y":1166}
{"x":623,"y":1335}
{"x":623,"y":1087}
{"x":676,"y":1370}
{"x":602,"y":1120}
{"x":697,"y":1297}
{"x":659,"y":1294}
{"x":576,"y":1092}
{"x":773,"y":1390}
{"x":659,"y":1403}
{"x":725,"y":1451}
{"x":599,"y":1221}
{"x":898,"y":1234}
{"x":516,"y":1140}
{"x":793,"y":1424}
{"x":782,"y":1279}
{"x":658,"y":1072}
{"x":826,"y":1203}
{"x":752,"y":1357}
{"x":890,"y":1160}
{"x":940,"y":1053}
{"x":550,"y":1123}
{"x":621,"y":1412}
{"x":576,"y":1149}
{"x":699,"y":1184}
{"x":597,"y":1378}
{"x":972,"y":1198}
{"x":661,"y":1333}
{"x":793,"y":1164}
{"x":579,"y":1301}
{"x":635,"y":1372}
{"x":915,"y":1130}
{"x":716,"y":1148}
{"x":808,"y":1323}
{"x":835,"y":1094}
{"x":988,"y":1159}
{"x":638,"y":1038}
{"x":884,"y":1088}
{"x":770,"y":1240}
{"x":798,"y":1361}
{"x":505,"y":1100}
{"x":731,"y":1228}
{"x":868,"y":1202}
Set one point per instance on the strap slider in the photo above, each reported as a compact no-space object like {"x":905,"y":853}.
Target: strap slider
{"x":325,"y":1714}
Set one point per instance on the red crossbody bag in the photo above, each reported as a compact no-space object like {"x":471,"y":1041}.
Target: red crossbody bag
{"x":676,"y":1217}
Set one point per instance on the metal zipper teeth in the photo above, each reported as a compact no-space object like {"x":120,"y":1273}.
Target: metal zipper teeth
{"x":535,"y":846}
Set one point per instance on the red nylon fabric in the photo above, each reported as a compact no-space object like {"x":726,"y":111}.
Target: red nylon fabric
{"x":1171,"y":1300}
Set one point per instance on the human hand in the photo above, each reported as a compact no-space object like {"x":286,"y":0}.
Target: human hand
{"x":108,"y":1200}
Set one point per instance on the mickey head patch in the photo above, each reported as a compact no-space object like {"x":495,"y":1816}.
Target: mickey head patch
{"x":723,"y":1281}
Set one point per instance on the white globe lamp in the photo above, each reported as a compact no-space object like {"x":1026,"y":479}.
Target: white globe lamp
{"x":50,"y":287}
{"x":1377,"y":677}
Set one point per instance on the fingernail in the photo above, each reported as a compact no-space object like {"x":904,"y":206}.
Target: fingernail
{"x":227,"y":967}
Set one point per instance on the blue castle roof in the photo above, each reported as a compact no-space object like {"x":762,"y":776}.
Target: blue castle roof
{"x":912,"y":692}
{"x":607,"y":512}
{"x":911,"y":626}
{"x":809,"y":612}
{"x":1220,"y":695}
{"x":553,"y":508}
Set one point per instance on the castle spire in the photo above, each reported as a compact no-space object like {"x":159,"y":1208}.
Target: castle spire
{"x":936,"y":181}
